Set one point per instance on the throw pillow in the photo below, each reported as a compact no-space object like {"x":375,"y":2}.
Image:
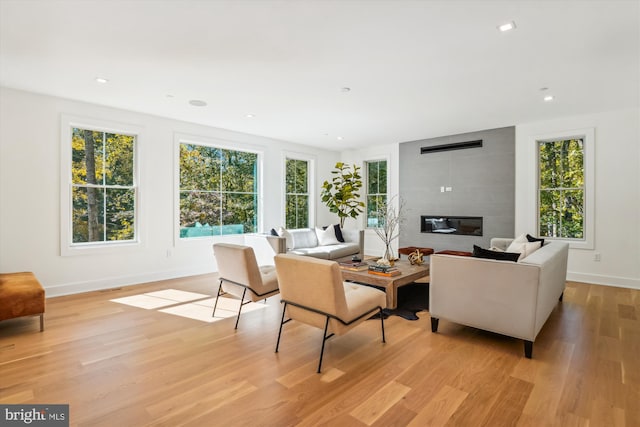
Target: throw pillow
{"x":338,"y":230}
{"x":273,"y":232}
{"x":521,"y":239}
{"x":530,"y":238}
{"x":524,"y":249}
{"x":326,"y":237}
{"x":479,"y":252}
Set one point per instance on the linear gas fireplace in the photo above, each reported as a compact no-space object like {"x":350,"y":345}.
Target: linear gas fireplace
{"x":463,"y":225}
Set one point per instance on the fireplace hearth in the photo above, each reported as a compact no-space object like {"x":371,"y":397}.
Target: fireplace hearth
{"x":458,"y":225}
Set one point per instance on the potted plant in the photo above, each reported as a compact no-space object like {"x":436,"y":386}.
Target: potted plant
{"x":341,"y":194}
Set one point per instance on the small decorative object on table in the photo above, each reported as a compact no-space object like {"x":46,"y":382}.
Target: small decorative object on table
{"x":415,"y":258}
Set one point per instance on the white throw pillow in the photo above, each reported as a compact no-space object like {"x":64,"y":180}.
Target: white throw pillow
{"x":521,"y":239}
{"x":327,"y":236}
{"x":524,"y":249}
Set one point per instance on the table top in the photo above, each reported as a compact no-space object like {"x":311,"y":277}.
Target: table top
{"x":409,"y":273}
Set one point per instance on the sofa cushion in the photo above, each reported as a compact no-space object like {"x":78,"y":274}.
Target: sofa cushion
{"x":326,"y":236}
{"x":329,"y":252}
{"x":524,"y":249}
{"x":303,"y":238}
{"x":479,"y":252}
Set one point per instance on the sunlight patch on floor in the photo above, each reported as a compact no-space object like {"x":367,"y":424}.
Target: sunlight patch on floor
{"x":188,"y":304}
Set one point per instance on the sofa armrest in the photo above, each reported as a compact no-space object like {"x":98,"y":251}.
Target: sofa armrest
{"x":353,"y":235}
{"x":279,"y":244}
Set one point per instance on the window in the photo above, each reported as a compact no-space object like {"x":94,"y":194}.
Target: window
{"x":565,"y":187}
{"x":376,"y":191}
{"x":296,"y":193}
{"x":218,"y":191}
{"x":103,"y":186}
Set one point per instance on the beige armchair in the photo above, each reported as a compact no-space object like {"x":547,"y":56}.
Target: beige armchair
{"x":314,"y":293}
{"x":239,"y":272}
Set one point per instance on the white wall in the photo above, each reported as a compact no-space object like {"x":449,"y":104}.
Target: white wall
{"x":617,"y":194}
{"x":30,"y":196}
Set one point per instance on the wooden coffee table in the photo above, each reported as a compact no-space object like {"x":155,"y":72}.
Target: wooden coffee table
{"x":409,"y":274}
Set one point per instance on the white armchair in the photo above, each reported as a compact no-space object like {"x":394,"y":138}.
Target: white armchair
{"x":239,"y":272}
{"x":314,"y":293}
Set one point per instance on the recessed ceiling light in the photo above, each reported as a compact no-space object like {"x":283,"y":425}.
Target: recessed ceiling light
{"x":250,"y":116}
{"x":346,"y":89}
{"x":197,"y":103}
{"x":507,"y":26}
{"x":542,"y":89}
{"x":548,"y":98}
{"x":101,"y":80}
{"x":339,"y":138}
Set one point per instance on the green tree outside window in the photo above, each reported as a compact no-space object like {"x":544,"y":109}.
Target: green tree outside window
{"x":103,"y":190}
{"x":561,"y":189}
{"x":218,"y":191}
{"x":297,"y":193}
{"x":376,"y":192}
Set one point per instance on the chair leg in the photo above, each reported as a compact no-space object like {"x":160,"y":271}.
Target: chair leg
{"x":382,"y":324}
{"x":42,"y":322}
{"x":324,"y":339}
{"x":282,"y":322}
{"x":240,"y":309}
{"x":217,"y":296}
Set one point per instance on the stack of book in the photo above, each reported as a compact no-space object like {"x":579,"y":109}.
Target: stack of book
{"x":354,"y":266}
{"x":384,"y":270}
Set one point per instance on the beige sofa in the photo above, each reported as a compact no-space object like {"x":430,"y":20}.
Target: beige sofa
{"x":304,"y":241}
{"x":509,"y":298}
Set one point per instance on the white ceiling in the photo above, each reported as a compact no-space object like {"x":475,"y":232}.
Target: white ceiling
{"x":416,"y":69}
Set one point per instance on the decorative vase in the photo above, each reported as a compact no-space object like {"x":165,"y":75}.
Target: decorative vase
{"x":388,"y":254}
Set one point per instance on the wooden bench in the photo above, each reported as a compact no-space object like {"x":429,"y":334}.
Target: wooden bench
{"x":21,"y":294}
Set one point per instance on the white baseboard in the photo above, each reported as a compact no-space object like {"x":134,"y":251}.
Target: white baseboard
{"x":114,"y":282}
{"x":597,"y":279}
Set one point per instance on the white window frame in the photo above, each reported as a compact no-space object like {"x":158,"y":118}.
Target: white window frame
{"x":311,"y":184}
{"x":182,"y":138}
{"x":365,"y":172}
{"x":67,"y":246}
{"x":588,"y":137}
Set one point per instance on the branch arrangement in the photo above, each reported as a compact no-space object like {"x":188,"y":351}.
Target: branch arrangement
{"x":391,"y":220}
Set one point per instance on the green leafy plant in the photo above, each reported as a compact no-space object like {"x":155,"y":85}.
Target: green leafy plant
{"x":341,"y":194}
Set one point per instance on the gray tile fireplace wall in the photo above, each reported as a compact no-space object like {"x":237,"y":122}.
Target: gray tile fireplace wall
{"x":478,"y":181}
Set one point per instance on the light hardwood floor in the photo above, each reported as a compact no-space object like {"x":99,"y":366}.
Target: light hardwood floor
{"x":124,"y":366}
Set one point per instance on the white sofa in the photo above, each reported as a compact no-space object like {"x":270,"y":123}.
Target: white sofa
{"x":303,"y":241}
{"x":509,"y":298}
